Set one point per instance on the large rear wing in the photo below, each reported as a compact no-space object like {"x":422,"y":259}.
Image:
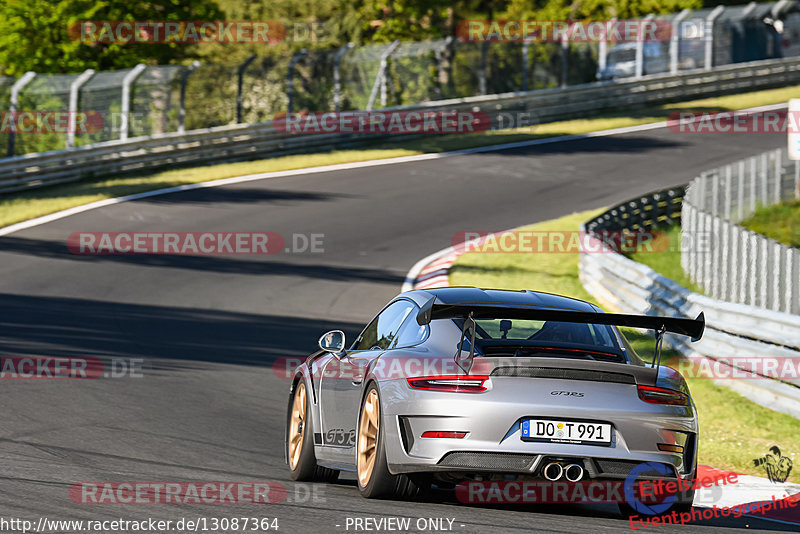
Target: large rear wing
{"x":481,"y":310}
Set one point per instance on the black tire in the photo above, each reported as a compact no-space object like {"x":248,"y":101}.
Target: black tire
{"x":306,"y":469}
{"x":382,"y":484}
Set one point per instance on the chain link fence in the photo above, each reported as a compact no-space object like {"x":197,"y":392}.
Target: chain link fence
{"x":155,"y":100}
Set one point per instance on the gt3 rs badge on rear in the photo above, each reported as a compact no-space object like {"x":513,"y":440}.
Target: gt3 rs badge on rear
{"x":567,"y":393}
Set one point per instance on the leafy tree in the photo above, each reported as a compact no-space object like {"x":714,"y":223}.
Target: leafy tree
{"x":36,"y":33}
{"x":595,"y":9}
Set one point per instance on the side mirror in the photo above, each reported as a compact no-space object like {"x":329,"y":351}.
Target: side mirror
{"x":332,"y":342}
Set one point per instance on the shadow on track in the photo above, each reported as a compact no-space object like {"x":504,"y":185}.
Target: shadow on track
{"x":247,"y":265}
{"x":68,"y":327}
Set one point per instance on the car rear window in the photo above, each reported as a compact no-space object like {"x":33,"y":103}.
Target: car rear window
{"x":583,"y":334}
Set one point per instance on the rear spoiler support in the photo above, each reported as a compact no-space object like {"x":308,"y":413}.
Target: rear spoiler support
{"x":466,"y":363}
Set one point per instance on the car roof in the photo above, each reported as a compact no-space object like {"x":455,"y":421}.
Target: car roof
{"x":503,"y":297}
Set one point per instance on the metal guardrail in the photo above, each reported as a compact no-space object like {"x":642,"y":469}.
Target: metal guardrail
{"x":261,"y":140}
{"x":732,"y":330}
{"x":743,"y":266}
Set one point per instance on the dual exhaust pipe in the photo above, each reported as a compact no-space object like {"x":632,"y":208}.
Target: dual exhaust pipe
{"x":556,"y":471}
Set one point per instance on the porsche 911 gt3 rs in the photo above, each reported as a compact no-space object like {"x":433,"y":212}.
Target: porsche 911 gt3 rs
{"x":453,"y":384}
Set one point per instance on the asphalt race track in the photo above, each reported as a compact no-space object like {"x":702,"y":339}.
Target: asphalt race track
{"x":209,"y":406}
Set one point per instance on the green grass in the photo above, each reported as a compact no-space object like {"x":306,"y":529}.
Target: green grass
{"x":665,"y":258}
{"x":780,"y":222}
{"x":733,"y":430}
{"x":26,"y":205}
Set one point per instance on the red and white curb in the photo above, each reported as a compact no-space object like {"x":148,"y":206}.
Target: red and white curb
{"x":434,"y":270}
{"x":431,"y":271}
{"x":749,"y":491}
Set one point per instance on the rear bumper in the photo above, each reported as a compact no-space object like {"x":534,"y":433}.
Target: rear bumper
{"x":493,"y":442}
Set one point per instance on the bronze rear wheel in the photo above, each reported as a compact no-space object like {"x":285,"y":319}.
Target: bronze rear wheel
{"x":297,"y":420}
{"x":368,"y":432}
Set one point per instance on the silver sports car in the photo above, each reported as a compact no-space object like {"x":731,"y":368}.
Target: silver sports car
{"x":453,"y":384}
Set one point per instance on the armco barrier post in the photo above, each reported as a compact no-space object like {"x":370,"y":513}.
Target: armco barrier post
{"x":482,"y":89}
{"x":709,"y":36}
{"x":240,"y":85}
{"x":640,"y":46}
{"x":337,"y":76}
{"x":74,"y":89}
{"x":290,"y":78}
{"x":526,"y":44}
{"x":564,"y":59}
{"x":12,"y":108}
{"x":443,"y":72}
{"x":379,"y":78}
{"x":182,"y":102}
{"x":127,"y":82}
{"x":602,"y":46}
{"x":674,"y":41}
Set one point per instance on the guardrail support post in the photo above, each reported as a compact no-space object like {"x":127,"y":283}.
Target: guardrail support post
{"x":127,"y":82}
{"x":182,"y":105}
{"x":12,"y":108}
{"x":240,"y":84}
{"x":675,"y":41}
{"x":640,"y":46}
{"x":337,"y":76}
{"x":709,"y":36}
{"x":380,"y":77}
{"x":74,"y":89}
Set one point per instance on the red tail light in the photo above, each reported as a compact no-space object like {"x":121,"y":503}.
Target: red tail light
{"x":458,"y":383}
{"x":455,"y":435}
{"x":655,"y":395}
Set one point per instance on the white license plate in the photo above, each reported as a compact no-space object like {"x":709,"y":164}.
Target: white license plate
{"x":562,"y":431}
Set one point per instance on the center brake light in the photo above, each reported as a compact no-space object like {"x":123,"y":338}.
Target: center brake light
{"x":655,"y":395}
{"x":454,"y":383}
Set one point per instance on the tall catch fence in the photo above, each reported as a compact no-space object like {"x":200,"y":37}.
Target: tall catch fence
{"x":153,"y":100}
